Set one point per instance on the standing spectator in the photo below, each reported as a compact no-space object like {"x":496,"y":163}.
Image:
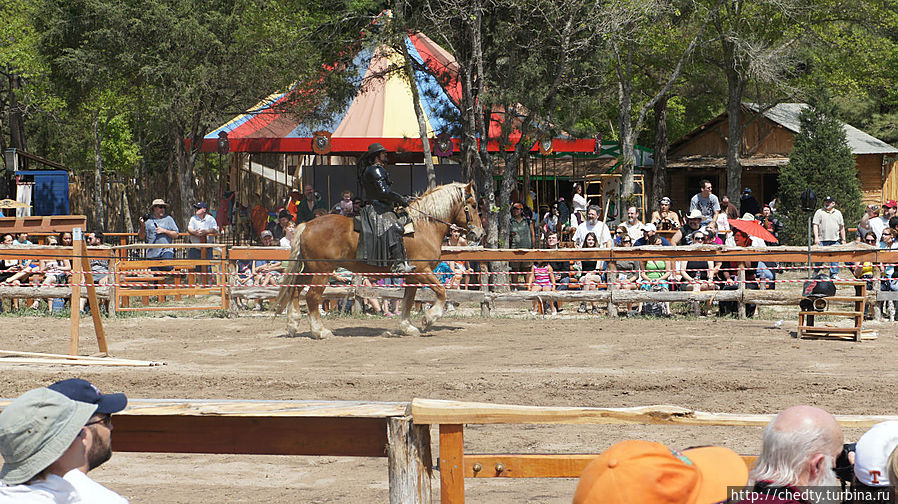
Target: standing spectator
{"x":99,"y":437}
{"x":42,"y":438}
{"x":201,"y":229}
{"x":665,"y":218}
{"x":579,"y":205}
{"x":887,"y":271}
{"x":293,"y":202}
{"x":683,"y":236}
{"x":595,"y":226}
{"x":727,"y":211}
{"x":800,"y":448}
{"x":877,"y":224}
{"x":770,"y":222}
{"x":648,"y":237}
{"x":731,"y":211}
{"x":305,"y":211}
{"x":705,"y":202}
{"x":633,"y":224}
{"x":541,"y":278}
{"x":521,"y":236}
{"x":159,"y":228}
{"x":829,"y":229}
{"x":564,"y":213}
{"x":748,"y":203}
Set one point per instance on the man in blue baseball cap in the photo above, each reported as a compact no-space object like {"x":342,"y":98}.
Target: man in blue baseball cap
{"x":99,"y":436}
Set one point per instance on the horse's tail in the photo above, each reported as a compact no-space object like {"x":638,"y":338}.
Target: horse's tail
{"x":295,"y":265}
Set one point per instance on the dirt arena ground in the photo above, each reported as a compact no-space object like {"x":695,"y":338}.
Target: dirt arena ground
{"x":703,"y":363}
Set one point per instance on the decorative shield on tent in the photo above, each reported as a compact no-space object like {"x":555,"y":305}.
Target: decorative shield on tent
{"x":8,"y":203}
{"x":442,"y":146}
{"x":321,"y":142}
{"x":545,"y":145}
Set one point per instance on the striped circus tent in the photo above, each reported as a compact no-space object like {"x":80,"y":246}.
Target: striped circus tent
{"x":381,"y":111}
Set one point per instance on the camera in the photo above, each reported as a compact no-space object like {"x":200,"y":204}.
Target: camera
{"x":844,"y":468}
{"x":146,"y":217}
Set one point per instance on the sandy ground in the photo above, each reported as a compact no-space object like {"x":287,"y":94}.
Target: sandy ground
{"x":703,"y":363}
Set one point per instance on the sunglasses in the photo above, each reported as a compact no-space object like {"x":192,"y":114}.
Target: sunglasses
{"x":106,"y":420}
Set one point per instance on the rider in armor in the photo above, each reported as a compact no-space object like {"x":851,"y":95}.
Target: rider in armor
{"x":377,"y":187}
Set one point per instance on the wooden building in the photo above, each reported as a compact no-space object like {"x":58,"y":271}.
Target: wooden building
{"x":766,"y":145}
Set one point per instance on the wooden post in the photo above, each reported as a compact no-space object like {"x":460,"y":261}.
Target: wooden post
{"x":877,"y":307}
{"x":741,"y":290}
{"x":408,"y":458}
{"x":91,"y":299}
{"x":611,"y":276}
{"x":113,"y":298}
{"x":452,"y":476}
{"x":223,"y":280}
{"x":75,"y":300}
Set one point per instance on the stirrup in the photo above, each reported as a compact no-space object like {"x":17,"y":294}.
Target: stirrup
{"x":402,"y":267}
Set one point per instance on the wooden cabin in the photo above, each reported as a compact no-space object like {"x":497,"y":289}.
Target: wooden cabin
{"x":766,"y":145}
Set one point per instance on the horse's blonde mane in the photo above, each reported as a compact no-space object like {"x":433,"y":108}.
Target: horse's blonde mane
{"x":438,"y":202}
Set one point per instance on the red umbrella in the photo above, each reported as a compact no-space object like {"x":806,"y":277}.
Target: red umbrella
{"x":753,"y":228}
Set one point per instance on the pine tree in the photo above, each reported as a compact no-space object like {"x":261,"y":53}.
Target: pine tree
{"x":822,"y":161}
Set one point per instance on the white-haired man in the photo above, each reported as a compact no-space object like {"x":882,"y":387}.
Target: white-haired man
{"x":800,"y":448}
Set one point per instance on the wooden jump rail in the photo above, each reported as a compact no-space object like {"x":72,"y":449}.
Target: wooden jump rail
{"x":455,"y":465}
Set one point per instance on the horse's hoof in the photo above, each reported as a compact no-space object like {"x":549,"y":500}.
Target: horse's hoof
{"x":322,"y":334}
{"x":408,"y":329}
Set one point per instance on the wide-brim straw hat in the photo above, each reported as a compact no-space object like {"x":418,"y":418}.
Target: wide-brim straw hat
{"x":159,"y":202}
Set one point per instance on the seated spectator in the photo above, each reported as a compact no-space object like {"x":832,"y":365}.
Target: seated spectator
{"x":455,"y":238}
{"x":287,"y":240}
{"x":728,"y":277}
{"x":99,"y":268}
{"x":648,"y":472}
{"x":665,"y":219}
{"x":619,"y":232}
{"x":42,"y":438}
{"x":593,"y":224}
{"x":591,"y":271}
{"x":8,"y":267}
{"x":712,"y":237}
{"x":649,"y":232}
{"x":683,"y":236}
{"x":871,"y":458}
{"x":541,"y":278}
{"x":633,"y":225}
{"x":279,"y":230}
{"x":698,"y":275}
{"x":56,"y":272}
{"x":886,"y":271}
{"x":654,"y":273}
{"x":561,"y":269}
{"x":552,"y":222}
{"x":800,"y":448}
{"x":318,"y":212}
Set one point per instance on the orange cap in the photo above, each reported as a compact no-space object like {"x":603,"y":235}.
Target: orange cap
{"x":636,"y":472}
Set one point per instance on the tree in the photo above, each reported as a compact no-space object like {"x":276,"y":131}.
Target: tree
{"x":822,"y":161}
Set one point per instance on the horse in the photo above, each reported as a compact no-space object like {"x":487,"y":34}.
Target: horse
{"x":327,"y":242}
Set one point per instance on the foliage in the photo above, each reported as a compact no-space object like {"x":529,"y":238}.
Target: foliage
{"x":822,"y":161}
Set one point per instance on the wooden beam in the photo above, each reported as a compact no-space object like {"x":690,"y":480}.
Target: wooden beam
{"x":536,"y":465}
{"x":42,"y":224}
{"x":432,"y":411}
{"x":16,"y":291}
{"x":259,"y":435}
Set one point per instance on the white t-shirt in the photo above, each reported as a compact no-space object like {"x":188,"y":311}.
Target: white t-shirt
{"x":878,"y":225}
{"x":91,"y":491}
{"x":723,"y":223}
{"x":599,"y":228}
{"x":53,"y":490}
{"x":196,"y":224}
{"x":579,"y":202}
{"x":635,"y":230}
{"x":828,"y":224}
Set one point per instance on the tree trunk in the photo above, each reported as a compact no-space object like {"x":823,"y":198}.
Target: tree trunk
{"x":627,"y":135}
{"x":99,"y":220}
{"x":419,"y":113}
{"x":735,"y":88}
{"x":16,"y":115}
{"x":184,"y":177}
{"x":659,"y":174}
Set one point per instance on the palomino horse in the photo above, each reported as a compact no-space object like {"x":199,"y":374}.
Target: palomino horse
{"x":328,"y":242}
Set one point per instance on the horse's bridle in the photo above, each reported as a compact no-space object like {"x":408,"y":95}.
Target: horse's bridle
{"x":468,"y":218}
